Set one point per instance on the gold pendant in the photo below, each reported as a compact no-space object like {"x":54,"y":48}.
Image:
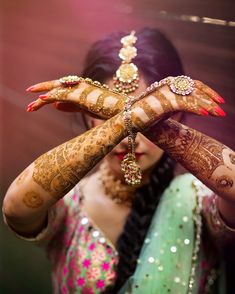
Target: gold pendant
{"x":131,"y":170}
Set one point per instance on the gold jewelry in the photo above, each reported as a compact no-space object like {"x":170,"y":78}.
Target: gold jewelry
{"x":126,"y":79}
{"x":70,"y":81}
{"x":119,"y":192}
{"x":181,"y":85}
{"x":129,"y":165}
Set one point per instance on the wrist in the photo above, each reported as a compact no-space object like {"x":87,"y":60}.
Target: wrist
{"x":101,"y":100}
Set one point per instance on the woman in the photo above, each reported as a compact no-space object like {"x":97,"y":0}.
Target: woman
{"x":159,"y":236}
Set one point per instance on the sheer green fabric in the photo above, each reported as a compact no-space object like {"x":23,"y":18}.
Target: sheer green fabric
{"x":164,"y":265}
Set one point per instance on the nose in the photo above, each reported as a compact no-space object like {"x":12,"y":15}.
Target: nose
{"x":124,"y":142}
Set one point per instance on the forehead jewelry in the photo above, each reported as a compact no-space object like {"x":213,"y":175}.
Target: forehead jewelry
{"x":126,"y":79}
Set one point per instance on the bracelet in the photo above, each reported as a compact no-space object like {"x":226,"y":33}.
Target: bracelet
{"x":180,"y":85}
{"x":70,"y":81}
{"x":129,"y":165}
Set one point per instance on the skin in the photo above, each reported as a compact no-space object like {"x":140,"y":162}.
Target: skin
{"x":209,"y":160}
{"x":150,"y":152}
{"x":57,"y":171}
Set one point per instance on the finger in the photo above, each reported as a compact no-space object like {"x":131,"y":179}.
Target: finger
{"x":44,"y":86}
{"x":210,"y":92}
{"x":65,"y":106}
{"x":205,"y":102}
{"x":35,"y":105}
{"x":59,"y":94}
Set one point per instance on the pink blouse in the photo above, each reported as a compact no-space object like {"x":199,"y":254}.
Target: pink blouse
{"x":82,"y":259}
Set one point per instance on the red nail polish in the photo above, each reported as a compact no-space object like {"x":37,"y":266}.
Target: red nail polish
{"x":220,"y":99}
{"x":31,"y":104}
{"x":43,"y":96}
{"x":203,"y":111}
{"x":29,"y":89}
{"x":219,"y":111}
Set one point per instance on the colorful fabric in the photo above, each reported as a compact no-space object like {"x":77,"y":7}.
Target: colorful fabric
{"x":165,"y":262}
{"x":83,"y":259}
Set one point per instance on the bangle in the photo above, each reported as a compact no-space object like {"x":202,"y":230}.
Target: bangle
{"x":129,"y":165}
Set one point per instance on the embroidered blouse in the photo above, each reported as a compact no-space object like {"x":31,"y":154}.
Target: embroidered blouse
{"x":83,"y":260}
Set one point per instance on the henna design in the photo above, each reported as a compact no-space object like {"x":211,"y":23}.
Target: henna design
{"x":60,"y":93}
{"x":60,"y":169}
{"x":119,"y":106}
{"x":32,"y":199}
{"x":165,"y":103}
{"x":84,"y":94}
{"x":22,"y":177}
{"x":148,"y":110}
{"x":232,"y":158}
{"x":197,"y":152}
{"x":138,"y":124}
{"x":210,"y":92}
{"x":224,"y":182}
{"x":99,"y":103}
{"x":151,"y":113}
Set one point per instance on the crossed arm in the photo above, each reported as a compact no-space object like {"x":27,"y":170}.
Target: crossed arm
{"x":53,"y":174}
{"x":209,"y":160}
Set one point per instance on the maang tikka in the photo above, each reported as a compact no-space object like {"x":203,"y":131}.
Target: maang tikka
{"x":126,"y":81}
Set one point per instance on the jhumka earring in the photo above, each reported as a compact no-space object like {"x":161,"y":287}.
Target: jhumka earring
{"x":126,"y":81}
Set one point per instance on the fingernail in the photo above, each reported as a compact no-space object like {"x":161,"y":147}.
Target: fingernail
{"x":219,"y":111}
{"x":220,"y":99}
{"x":43,"y":96}
{"x":203,"y":111}
{"x":31,"y":104}
{"x":30,"y":88}
{"x":29,"y":109}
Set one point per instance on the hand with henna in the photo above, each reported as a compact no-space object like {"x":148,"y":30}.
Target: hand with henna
{"x":102,"y":102}
{"x":209,"y":160}
{"x":57,"y":171}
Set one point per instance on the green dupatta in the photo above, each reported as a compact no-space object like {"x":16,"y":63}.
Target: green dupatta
{"x":167,"y":263}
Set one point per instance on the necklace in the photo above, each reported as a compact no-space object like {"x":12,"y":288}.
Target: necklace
{"x":119,"y":192}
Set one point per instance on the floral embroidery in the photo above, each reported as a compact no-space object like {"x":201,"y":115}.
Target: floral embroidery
{"x":91,"y":246}
{"x":100,"y":284}
{"x":105,"y":266}
{"x":86,"y":264}
{"x":64,"y":290}
{"x":65,"y":271}
{"x":80,"y":282}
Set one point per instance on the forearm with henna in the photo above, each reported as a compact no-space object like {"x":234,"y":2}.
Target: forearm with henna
{"x":56,"y":172}
{"x":209,"y":160}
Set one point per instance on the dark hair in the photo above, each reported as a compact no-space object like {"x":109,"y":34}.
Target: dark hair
{"x":156,"y":59}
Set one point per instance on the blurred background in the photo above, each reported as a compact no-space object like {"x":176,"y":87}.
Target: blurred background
{"x":47,"y":39}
